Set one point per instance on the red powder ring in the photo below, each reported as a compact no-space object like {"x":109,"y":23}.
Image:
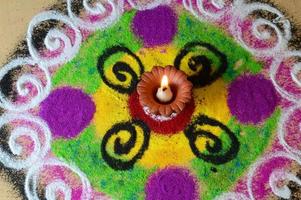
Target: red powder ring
{"x":172,"y":126}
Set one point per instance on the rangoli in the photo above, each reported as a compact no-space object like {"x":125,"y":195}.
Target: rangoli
{"x":73,"y":125}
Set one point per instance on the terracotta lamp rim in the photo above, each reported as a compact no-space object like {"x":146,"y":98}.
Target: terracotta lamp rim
{"x":180,"y":86}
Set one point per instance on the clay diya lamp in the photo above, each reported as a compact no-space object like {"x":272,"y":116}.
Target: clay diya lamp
{"x":164,"y":90}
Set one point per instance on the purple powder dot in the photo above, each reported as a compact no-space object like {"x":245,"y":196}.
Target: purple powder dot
{"x":67,"y":111}
{"x":155,"y":27}
{"x":252,"y":98}
{"x":171,"y":184}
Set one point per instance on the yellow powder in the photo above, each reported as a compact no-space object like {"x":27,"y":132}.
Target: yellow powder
{"x":112,"y":108}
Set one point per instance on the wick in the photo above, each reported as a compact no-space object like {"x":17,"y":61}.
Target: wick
{"x":165,"y":88}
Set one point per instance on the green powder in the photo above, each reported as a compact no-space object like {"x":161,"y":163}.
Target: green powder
{"x":190,"y":29}
{"x":253,"y":141}
{"x":82,"y":71}
{"x":84,"y":151}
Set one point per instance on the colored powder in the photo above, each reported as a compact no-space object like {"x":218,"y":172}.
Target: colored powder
{"x":155,"y":27}
{"x":67,"y":111}
{"x":252,"y":98}
{"x":171,"y":184}
{"x":129,"y":184}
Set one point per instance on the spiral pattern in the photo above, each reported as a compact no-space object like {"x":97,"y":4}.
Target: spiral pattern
{"x":124,"y":148}
{"x":55,"y":40}
{"x":289,"y":93}
{"x":272,"y":168}
{"x":216,"y":154}
{"x":120,"y":69}
{"x":239,"y":27}
{"x":32,"y":181}
{"x":105,"y":16}
{"x":25,"y":129}
{"x":32,"y":101}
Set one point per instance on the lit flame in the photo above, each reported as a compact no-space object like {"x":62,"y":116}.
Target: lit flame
{"x":164,"y":81}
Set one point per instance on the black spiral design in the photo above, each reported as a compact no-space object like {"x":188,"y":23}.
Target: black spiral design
{"x":125,"y":148}
{"x":215,"y":152}
{"x":120,"y":69}
{"x":206,"y":75}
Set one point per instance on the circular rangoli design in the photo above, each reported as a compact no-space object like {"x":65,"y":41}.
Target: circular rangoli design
{"x":73,"y":126}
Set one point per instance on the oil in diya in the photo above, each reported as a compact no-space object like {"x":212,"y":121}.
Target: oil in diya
{"x":164,"y":90}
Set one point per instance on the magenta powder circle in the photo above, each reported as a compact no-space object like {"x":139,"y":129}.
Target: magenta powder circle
{"x":67,"y":111}
{"x":155,"y":27}
{"x":252,"y":98}
{"x":171,"y":184}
